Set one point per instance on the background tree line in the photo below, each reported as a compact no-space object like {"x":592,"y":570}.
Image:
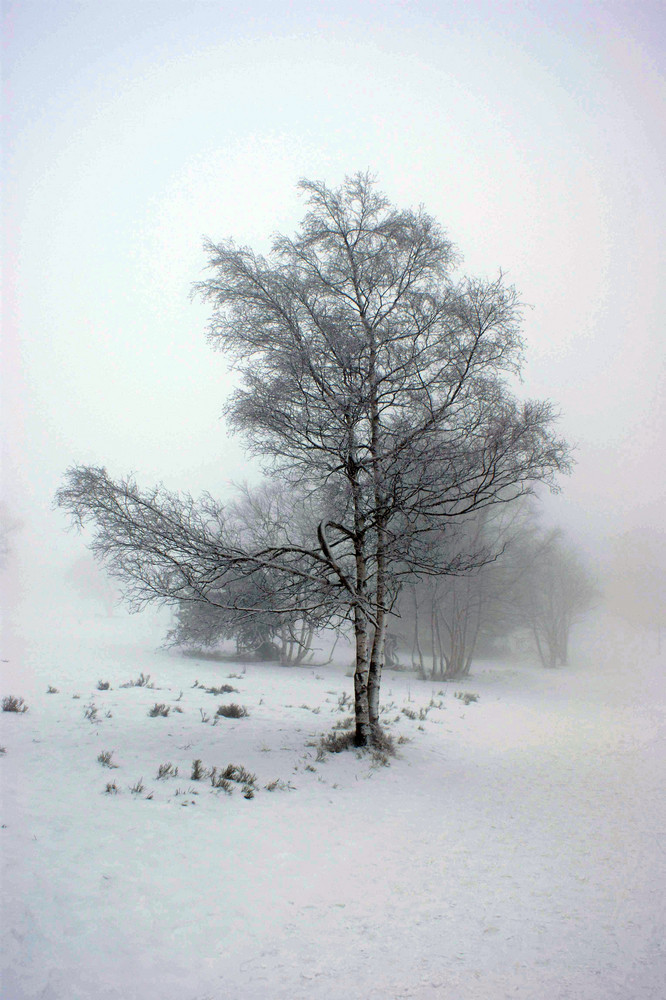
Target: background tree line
{"x":532,"y":593}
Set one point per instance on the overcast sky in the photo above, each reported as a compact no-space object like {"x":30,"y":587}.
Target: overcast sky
{"x":534,"y":132}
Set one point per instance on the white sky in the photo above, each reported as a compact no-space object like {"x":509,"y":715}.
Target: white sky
{"x":535,"y":132}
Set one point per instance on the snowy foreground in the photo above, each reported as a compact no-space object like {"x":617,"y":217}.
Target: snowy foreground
{"x":516,"y":847}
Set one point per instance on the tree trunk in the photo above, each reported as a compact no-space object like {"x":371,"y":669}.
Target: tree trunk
{"x":542,"y":655}
{"x":379,"y":609}
{"x":417,"y":643}
{"x":440,"y":648}
{"x":564,"y":645}
{"x":303,"y":643}
{"x":375,"y":674}
{"x":376,"y":666}
{"x":363,"y":735}
{"x":433,"y":616}
{"x":379,"y":638}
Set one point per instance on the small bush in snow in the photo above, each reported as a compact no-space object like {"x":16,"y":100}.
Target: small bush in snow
{"x":103,"y":686}
{"x":198,"y":770}
{"x":234,"y":774}
{"x":204,"y":717}
{"x":142,"y":681}
{"x":222,"y":689}
{"x":409,"y":713}
{"x":334,"y":743}
{"x":90,"y":712}
{"x":167,"y":771}
{"x":51,"y":690}
{"x":382,"y":742}
{"x":283,"y":786}
{"x":239,"y":774}
{"x":466,"y":697}
{"x":105,"y":758}
{"x":219,"y":781}
{"x":344,"y":723}
{"x":111,"y":788}
{"x":12,"y":704}
{"x":232,"y":711}
{"x":3,"y":751}
{"x":159,"y":709}
{"x":138,"y":788}
{"x":382,"y":747}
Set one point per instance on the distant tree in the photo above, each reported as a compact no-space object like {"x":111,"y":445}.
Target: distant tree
{"x":449,"y":615}
{"x":371,"y":379}
{"x":205,"y":625}
{"x":554,"y":590}
{"x":245,"y":610}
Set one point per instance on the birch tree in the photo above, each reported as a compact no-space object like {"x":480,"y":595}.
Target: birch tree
{"x":554,"y":592}
{"x":450,"y":613}
{"x":262,"y":517}
{"x":374,"y":379}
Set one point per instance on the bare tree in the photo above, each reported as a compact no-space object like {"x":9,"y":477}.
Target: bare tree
{"x":554,"y":591}
{"x":459,"y":609}
{"x":264,"y":516}
{"x":369,"y":378}
{"x":263,"y":633}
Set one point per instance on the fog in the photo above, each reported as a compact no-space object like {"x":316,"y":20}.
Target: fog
{"x":534,"y":134}
{"x":496,"y":825}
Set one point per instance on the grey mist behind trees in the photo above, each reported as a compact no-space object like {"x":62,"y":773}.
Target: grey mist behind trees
{"x":374,"y":383}
{"x":536,"y":589}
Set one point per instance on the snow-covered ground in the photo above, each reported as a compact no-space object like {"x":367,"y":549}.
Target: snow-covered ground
{"x":516,"y":847}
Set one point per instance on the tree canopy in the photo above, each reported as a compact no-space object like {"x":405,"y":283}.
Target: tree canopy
{"x":375,"y":384}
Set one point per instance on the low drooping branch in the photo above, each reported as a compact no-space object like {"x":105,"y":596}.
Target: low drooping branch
{"x":171,"y":548}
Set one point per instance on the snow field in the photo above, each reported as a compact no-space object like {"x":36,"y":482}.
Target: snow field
{"x":514,"y":848}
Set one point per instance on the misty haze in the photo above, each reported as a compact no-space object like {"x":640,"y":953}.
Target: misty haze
{"x":331,"y":529}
